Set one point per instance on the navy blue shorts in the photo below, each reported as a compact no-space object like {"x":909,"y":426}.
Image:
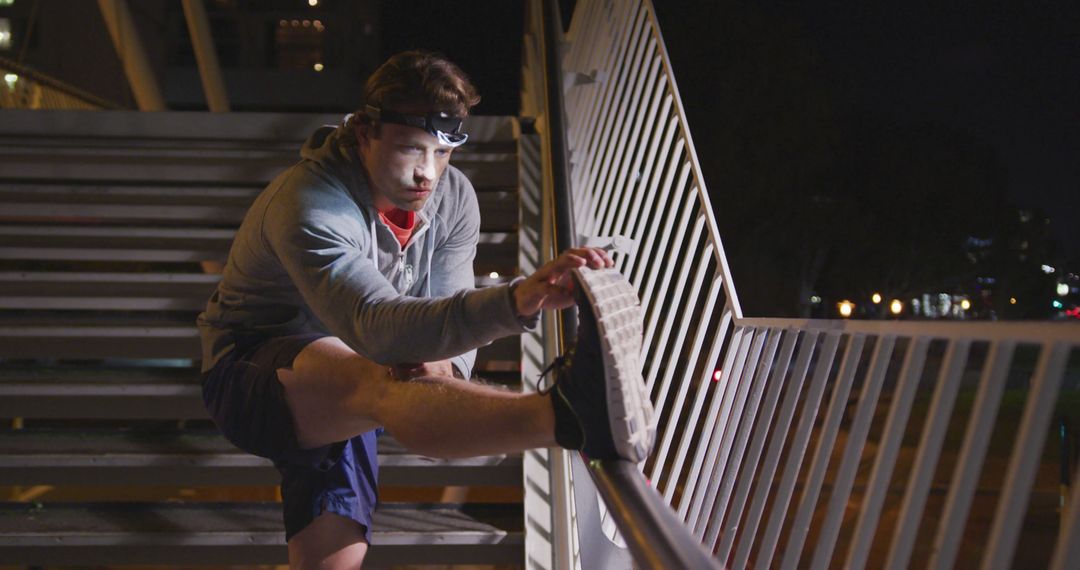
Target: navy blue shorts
{"x":247,"y":402}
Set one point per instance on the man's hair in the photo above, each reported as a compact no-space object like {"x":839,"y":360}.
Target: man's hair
{"x":419,"y":77}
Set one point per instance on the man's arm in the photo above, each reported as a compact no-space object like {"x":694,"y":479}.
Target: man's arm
{"x":323,"y":243}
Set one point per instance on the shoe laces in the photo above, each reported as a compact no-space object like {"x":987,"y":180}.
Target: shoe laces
{"x":557,"y":364}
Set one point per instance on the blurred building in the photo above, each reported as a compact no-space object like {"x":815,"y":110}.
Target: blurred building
{"x":285,"y":55}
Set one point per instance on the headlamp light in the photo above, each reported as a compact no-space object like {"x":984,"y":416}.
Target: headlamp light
{"x":446,"y":128}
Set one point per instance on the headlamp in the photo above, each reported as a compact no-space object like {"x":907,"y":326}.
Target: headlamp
{"x":446,"y":128}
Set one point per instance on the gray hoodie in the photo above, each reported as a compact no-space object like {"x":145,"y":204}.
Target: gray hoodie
{"x":313,"y":256}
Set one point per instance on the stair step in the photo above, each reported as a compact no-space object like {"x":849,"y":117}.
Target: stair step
{"x":56,"y":290}
{"x":202,"y":457}
{"x":241,"y":148}
{"x":111,"y":391}
{"x":137,"y":336}
{"x":248,"y":533}
{"x":497,"y":251}
{"x":198,"y":206}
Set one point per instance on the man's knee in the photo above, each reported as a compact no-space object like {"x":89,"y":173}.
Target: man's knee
{"x":330,"y":375}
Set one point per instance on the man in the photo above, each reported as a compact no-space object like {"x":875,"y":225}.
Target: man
{"x":347,"y":305}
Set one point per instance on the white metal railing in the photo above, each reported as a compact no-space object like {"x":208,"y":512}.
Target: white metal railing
{"x":793,"y":442}
{"x":24,"y":88}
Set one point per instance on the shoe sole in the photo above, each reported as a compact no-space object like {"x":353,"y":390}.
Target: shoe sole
{"x":618,"y":321}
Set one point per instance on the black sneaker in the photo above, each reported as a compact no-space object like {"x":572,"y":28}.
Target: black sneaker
{"x":601,"y":407}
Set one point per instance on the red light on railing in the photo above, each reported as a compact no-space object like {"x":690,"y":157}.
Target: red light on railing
{"x":716,"y":376}
{"x":1073,"y":312}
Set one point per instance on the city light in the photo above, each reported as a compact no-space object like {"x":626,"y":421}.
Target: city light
{"x":876,"y":298}
{"x":1057,"y":304}
{"x":1012,"y":300}
{"x":846,"y":307}
{"x":318,"y":67}
{"x":965,"y":304}
{"x":815,"y":299}
{"x":11,"y":79}
{"x":896,"y":307}
{"x":5,"y":33}
{"x":1048,"y":269}
{"x":1062,"y":289}
{"x":312,"y":3}
{"x":494,"y":275}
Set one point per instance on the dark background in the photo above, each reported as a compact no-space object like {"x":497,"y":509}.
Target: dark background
{"x":901,"y":148}
{"x":907,"y":148}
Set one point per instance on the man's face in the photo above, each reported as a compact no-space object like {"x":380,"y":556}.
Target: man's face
{"x":403,"y":163}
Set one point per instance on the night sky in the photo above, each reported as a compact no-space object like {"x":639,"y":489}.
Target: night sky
{"x":1007,"y":74}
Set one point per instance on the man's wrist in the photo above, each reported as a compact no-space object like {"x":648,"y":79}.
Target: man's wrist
{"x":527,"y":321}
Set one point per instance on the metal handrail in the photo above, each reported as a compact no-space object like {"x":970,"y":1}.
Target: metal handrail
{"x":654,"y":536}
{"x":57,"y":94}
{"x":758,"y":451}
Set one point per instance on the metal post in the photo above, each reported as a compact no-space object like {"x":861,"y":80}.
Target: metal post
{"x":217,"y":98}
{"x":132,"y":55}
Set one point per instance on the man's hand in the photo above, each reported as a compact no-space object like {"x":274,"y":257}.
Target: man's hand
{"x":550,"y":287}
{"x":411,"y":370}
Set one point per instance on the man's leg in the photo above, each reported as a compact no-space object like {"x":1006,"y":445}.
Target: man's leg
{"x":335,"y":394}
{"x":331,"y":541}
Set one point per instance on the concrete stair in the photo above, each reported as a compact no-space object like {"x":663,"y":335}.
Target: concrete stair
{"x":108,"y":224}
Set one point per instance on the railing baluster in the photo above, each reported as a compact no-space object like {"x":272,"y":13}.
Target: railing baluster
{"x":860,"y":427}
{"x":720,"y":486}
{"x":776,"y":447}
{"x":627,"y":121}
{"x":644,"y":121}
{"x":729,"y":524}
{"x":660,"y":267}
{"x":652,"y":199}
{"x":627,"y":221}
{"x":726,"y":429}
{"x":595,"y":119}
{"x":668,"y":317}
{"x":1027,"y":450}
{"x":781,"y":503}
{"x":710,"y":440}
{"x":706,"y":381}
{"x":914,"y":361}
{"x":662,"y":232}
{"x":969,"y":465}
{"x":1068,"y":545}
{"x":825,"y":440}
{"x":608,"y":122}
{"x":929,"y":450}
{"x":680,"y":399}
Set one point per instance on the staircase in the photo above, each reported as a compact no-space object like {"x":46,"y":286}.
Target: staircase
{"x":112,"y":225}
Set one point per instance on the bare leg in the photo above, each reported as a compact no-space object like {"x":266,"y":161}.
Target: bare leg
{"x":330,"y":542}
{"x":335,"y":394}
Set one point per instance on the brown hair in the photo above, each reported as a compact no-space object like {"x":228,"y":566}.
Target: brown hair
{"x":419,"y":76}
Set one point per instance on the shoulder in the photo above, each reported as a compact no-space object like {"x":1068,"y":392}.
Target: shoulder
{"x":457,"y":190}
{"x":302,"y":198}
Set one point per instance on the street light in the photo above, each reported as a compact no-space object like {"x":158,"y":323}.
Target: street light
{"x":896,"y":307}
{"x":876,"y":298}
{"x":1063,"y":289}
{"x":965,"y":304}
{"x":846,"y":307}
